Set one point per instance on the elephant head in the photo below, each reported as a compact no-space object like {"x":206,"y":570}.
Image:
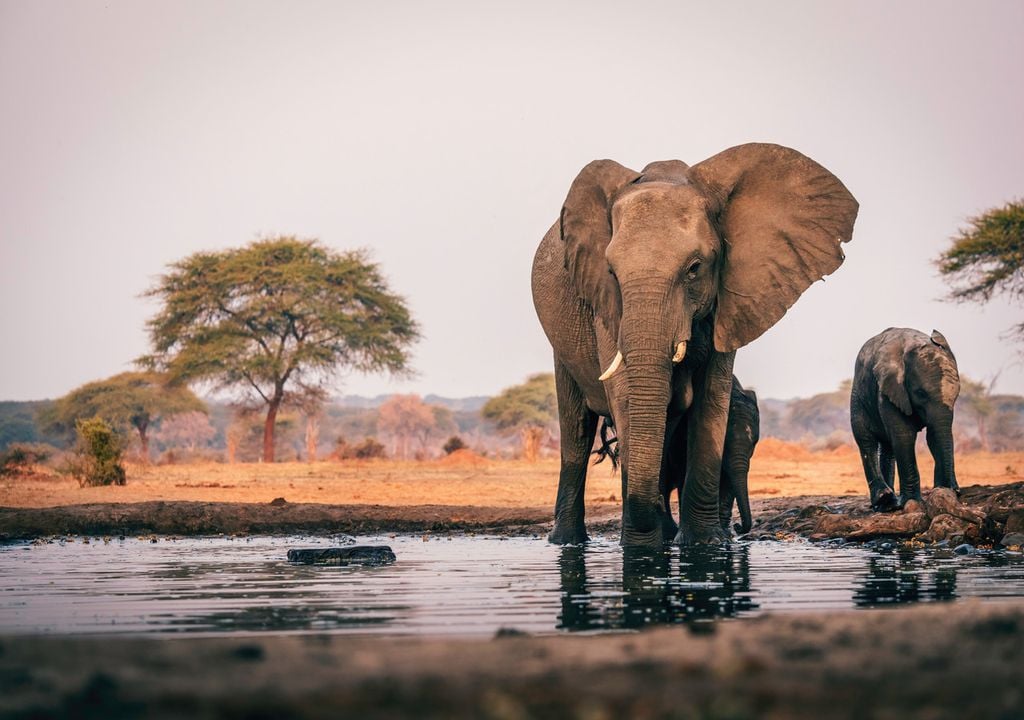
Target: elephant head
{"x":736,"y":238}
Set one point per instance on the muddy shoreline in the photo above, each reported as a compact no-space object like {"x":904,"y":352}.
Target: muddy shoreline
{"x":983,"y":514}
{"x":928,"y":661}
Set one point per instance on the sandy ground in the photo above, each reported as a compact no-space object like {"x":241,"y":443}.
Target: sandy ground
{"x":778,"y":469}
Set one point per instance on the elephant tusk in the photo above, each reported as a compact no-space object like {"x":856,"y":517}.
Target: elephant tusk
{"x":680,"y":352}
{"x":613,"y":367}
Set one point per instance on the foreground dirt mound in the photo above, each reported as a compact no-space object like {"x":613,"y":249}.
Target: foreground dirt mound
{"x":982,"y":515}
{"x":954,"y":660}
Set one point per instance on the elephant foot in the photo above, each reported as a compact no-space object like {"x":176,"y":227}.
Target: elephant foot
{"x":668,"y":529}
{"x":713,"y":535}
{"x":568,"y":534}
{"x":885,"y":501}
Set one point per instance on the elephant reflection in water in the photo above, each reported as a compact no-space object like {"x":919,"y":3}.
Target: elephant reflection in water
{"x":658,"y":587}
{"x":898,"y":579}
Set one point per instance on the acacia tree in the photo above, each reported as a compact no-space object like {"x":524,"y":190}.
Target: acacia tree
{"x":130,"y":400}
{"x":530,"y":408}
{"x":275,"y":320}
{"x":987,"y":258}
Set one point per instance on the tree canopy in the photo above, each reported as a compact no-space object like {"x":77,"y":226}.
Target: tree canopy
{"x":128,"y":401}
{"x":275,"y":320}
{"x":987,"y":258}
{"x":531,"y":408}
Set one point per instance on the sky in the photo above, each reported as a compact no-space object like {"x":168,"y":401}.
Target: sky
{"x":443,"y":137}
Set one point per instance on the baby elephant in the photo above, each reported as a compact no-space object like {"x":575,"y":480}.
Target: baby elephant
{"x":903,"y":381}
{"x":741,"y":436}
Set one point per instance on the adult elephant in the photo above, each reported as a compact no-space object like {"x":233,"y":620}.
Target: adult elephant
{"x":659,"y":276}
{"x":903,"y":381}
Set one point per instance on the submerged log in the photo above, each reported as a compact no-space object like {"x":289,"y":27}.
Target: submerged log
{"x":351,"y":555}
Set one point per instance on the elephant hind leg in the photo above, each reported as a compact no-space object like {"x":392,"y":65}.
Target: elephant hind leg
{"x":578,"y":425}
{"x":887,"y":463}
{"x":883,"y":499}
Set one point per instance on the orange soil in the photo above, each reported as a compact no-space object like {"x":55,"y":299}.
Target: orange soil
{"x":778,"y":469}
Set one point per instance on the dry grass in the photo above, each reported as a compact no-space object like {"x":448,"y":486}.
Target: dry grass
{"x":778,"y":469}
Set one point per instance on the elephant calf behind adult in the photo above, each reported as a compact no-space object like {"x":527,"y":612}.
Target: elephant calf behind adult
{"x":742,"y":433}
{"x":656,"y":278}
{"x":903,"y":381}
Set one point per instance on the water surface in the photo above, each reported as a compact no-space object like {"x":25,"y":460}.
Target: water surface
{"x":461,"y":585}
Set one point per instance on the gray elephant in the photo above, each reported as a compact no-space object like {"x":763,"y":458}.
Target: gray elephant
{"x":646,"y":286}
{"x":903,"y":381}
{"x":743,"y":430}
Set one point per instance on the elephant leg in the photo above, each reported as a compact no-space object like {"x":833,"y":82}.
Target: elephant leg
{"x":883,"y":498}
{"x":578,"y":425}
{"x":887,"y":464}
{"x":673,"y":469}
{"x":906,"y":463}
{"x":726,"y":498}
{"x":706,"y":425}
{"x":940,"y":444}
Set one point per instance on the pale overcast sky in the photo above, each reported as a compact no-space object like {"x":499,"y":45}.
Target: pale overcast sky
{"x":444,"y":135}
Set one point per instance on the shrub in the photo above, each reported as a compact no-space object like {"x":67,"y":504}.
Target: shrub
{"x":367,"y":449}
{"x":97,"y":456}
{"x":19,"y":457}
{"x":454,"y":443}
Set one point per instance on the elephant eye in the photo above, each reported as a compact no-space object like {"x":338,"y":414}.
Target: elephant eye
{"x":694,"y":267}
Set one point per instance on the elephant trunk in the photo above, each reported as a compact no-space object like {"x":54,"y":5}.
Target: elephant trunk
{"x":647,"y":342}
{"x":738,"y":471}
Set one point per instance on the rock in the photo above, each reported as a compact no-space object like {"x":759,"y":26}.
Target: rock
{"x":943,"y":501}
{"x":352,"y":555}
{"x":965,"y":549}
{"x":946,"y":527}
{"x":278,"y":502}
{"x":1015,"y":521}
{"x":913,"y":506}
{"x":1012,"y":539}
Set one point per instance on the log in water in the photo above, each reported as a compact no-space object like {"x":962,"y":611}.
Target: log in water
{"x":351,"y":555}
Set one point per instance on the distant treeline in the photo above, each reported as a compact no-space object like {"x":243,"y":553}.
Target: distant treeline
{"x":422,"y":428}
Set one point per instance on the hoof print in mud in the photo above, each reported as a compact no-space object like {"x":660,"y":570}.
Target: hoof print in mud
{"x":353,"y":555}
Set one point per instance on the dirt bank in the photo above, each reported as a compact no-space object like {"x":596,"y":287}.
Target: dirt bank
{"x":213,"y":518}
{"x":941,"y":661}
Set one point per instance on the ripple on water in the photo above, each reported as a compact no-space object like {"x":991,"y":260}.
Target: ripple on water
{"x":462,"y":585}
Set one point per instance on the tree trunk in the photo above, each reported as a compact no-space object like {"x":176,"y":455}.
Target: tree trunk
{"x":312,"y":436}
{"x":143,"y":441}
{"x":268,"y":429}
{"x":531,"y":442}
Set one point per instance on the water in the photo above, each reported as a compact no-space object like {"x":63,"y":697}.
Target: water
{"x":461,"y":585}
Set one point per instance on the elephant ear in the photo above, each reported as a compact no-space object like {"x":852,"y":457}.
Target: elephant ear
{"x":890,"y":372}
{"x":586,"y":231}
{"x":940,"y":340}
{"x":783,"y":217}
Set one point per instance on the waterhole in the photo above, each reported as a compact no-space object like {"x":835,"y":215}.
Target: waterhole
{"x":462,"y":585}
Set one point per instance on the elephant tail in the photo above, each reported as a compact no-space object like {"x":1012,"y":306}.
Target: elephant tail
{"x":609,"y":444}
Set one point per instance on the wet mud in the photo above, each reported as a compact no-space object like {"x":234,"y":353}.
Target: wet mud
{"x":928,"y":661}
